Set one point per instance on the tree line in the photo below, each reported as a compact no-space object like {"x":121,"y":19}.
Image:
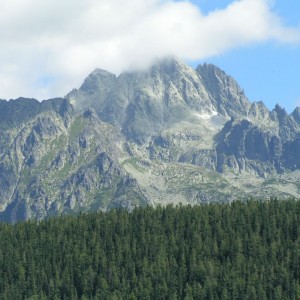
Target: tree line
{"x":242,"y":250}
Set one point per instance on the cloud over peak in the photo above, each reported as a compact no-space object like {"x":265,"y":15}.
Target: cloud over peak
{"x":48,"y":47}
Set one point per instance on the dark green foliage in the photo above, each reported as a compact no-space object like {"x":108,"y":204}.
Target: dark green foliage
{"x":240,"y":251}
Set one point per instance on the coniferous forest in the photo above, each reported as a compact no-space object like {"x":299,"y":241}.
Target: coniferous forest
{"x":243,"y":250}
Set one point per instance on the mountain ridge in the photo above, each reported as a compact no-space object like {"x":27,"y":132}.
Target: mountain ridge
{"x":167,"y":134}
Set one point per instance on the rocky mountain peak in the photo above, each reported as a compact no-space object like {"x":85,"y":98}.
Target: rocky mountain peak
{"x":296,"y":115}
{"x":227,"y":95}
{"x":168,"y":134}
{"x":280,"y":111}
{"x":170,"y":65}
{"x":279,"y":114}
{"x":258,"y":111}
{"x":210,"y":69}
{"x":98,"y":79}
{"x":288,"y":126}
{"x":258,"y":107}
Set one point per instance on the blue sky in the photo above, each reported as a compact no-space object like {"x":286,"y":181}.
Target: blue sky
{"x":49,"y":47}
{"x":268,"y":71}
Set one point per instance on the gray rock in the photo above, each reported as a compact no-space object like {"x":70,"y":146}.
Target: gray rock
{"x":168,"y":134}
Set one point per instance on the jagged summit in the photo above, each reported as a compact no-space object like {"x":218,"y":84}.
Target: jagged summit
{"x":143,"y":102}
{"x":97,"y":79}
{"x":101,"y":72}
{"x":207,"y":68}
{"x":296,"y":114}
{"x":168,"y":134}
{"x":170,"y":65}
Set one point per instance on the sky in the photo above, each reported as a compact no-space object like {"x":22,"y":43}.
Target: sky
{"x":49,"y":47}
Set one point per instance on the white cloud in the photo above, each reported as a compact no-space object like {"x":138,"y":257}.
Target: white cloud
{"x":49,"y":46}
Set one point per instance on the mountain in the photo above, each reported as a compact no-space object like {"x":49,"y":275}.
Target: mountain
{"x":168,"y":134}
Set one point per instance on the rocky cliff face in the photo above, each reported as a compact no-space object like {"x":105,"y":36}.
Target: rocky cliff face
{"x":143,"y":103}
{"x":58,"y":161}
{"x":168,"y":134}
